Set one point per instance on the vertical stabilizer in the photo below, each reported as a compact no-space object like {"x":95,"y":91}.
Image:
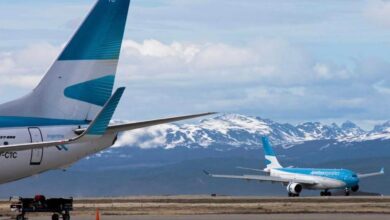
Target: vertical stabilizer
{"x":271,"y":161}
{"x":81,"y":80}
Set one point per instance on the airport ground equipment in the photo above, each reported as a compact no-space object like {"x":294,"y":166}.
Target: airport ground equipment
{"x":58,"y":206}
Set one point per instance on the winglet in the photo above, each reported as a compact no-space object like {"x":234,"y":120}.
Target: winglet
{"x":206,"y":172}
{"x":99,"y":126}
{"x":382,"y":171}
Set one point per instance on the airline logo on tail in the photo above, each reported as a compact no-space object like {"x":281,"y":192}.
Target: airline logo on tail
{"x":271,"y":161}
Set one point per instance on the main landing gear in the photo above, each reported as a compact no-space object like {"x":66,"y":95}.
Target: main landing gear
{"x":325,"y":193}
{"x":293,"y":194}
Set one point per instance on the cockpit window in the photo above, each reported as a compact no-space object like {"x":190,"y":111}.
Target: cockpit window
{"x":354,"y":175}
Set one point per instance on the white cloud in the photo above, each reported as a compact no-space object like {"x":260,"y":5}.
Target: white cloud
{"x":267,"y":60}
{"x":25,"y":67}
{"x":268,"y":77}
{"x":151,"y":137}
{"x":217,"y":56}
{"x":154,"y":48}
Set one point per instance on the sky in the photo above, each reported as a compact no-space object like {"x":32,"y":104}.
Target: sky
{"x":287,"y":60}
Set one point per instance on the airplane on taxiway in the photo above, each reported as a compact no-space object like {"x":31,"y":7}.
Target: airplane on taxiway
{"x":297,"y":179}
{"x":66,"y":117}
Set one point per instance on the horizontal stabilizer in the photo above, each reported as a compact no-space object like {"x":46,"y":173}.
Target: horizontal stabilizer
{"x":100,"y":124}
{"x":365,"y":175}
{"x":143,"y":124}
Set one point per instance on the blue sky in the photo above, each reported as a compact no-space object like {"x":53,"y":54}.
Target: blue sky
{"x":288,"y":60}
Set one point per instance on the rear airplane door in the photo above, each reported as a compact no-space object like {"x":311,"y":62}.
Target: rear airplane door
{"x":36,"y":154}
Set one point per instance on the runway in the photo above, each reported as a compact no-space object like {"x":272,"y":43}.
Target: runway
{"x":224,"y":207}
{"x":241,"y":217}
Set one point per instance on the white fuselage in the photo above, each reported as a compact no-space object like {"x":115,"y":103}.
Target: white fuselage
{"x":21,"y":164}
{"x":322,"y":182}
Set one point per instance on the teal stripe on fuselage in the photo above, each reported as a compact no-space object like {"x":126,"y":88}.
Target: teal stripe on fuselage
{"x":346,"y":176}
{"x":16,"y":121}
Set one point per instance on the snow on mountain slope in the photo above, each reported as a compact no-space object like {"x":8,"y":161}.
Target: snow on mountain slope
{"x":234,"y":130}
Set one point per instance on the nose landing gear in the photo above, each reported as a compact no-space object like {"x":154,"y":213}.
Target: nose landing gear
{"x":347,"y":192}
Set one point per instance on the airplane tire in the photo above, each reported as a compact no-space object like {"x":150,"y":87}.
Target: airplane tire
{"x":55,"y":217}
{"x":20,"y":217}
{"x":293,"y":195}
{"x":325,"y":193}
{"x":66,"y":217}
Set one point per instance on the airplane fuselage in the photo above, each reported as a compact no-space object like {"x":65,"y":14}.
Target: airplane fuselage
{"x":324,"y":178}
{"x":15,"y":165}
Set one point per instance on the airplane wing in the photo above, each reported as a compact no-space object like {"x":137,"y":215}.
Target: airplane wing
{"x":97,"y":128}
{"x":261,"y":178}
{"x":365,"y":175}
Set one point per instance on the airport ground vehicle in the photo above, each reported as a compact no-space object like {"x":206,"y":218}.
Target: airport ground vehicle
{"x":58,"y":206}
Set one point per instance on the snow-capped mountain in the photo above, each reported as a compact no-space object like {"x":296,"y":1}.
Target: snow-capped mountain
{"x":383,"y":128}
{"x":233,"y":130}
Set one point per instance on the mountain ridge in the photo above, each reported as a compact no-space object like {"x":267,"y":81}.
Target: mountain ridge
{"x":235,"y":130}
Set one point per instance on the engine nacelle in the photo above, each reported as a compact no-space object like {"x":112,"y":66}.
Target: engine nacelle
{"x":294,"y":188}
{"x":355,"y":188}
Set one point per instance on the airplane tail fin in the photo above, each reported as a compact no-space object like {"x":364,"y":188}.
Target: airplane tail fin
{"x":270,"y":158}
{"x":81,"y":79}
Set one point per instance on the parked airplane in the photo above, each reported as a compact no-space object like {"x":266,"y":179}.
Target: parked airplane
{"x":66,"y":117}
{"x":297,"y":179}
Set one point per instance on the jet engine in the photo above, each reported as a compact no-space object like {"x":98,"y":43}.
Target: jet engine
{"x":294,"y":188}
{"x":355,"y":188}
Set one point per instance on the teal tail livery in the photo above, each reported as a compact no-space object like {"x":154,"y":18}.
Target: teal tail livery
{"x":81,"y":80}
{"x":67,"y":116}
{"x":271,"y":161}
{"x":297,"y":179}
